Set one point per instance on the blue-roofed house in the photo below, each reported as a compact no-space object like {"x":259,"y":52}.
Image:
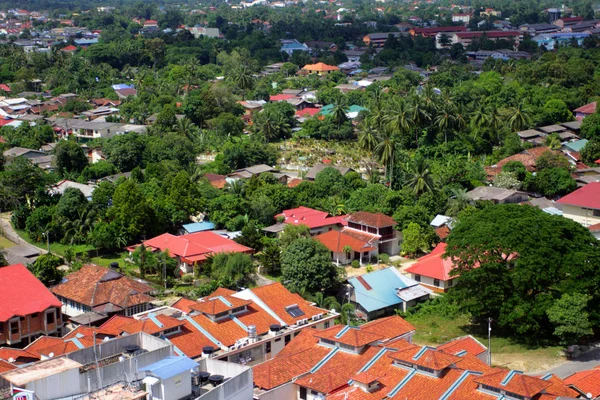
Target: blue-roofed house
{"x":382,"y":292}
{"x":194,"y":227}
{"x":170,"y":378}
{"x":290,"y":46}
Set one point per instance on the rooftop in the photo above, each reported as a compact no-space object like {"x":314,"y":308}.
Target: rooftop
{"x":375,"y":220}
{"x":586,"y":196}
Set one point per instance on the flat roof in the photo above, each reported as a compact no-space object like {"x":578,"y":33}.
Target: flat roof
{"x":529,"y":133}
{"x":22,"y":376}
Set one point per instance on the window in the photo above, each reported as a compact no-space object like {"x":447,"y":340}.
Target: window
{"x":294,"y":310}
{"x":278,"y":340}
{"x":436,"y":282}
{"x":327,"y":341}
{"x":238,"y":309}
{"x":288,"y":338}
{"x":14,"y":327}
{"x":418,"y":278}
{"x":221,"y":315}
{"x":268,"y":347}
{"x":450,"y":282}
{"x":303,"y":393}
{"x":34,"y":315}
{"x":596,"y":213}
{"x":296,"y":334}
{"x":50,"y":318}
{"x":326,"y":325}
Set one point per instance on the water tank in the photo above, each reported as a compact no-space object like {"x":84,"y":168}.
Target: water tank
{"x":208,"y":350}
{"x":252,"y":331}
{"x":115,"y":266}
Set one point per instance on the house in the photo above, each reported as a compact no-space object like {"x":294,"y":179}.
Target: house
{"x":497,"y":195}
{"x":123,"y":90}
{"x":378,"y":39}
{"x":317,"y":221}
{"x":382,"y":292}
{"x":583,"y":205}
{"x":462,"y":18}
{"x":245,"y":327}
{"x":551,"y":41}
{"x":317,"y":46}
{"x":527,"y":157}
{"x":249,"y":172}
{"x":379,"y":225}
{"x":567,"y":21}
{"x":434,"y":31}
{"x":585,"y":383}
{"x":434,"y":270}
{"x":194,"y":248}
{"x":319,"y":68}
{"x":585,"y":110}
{"x":62,"y":186}
{"x":536,"y":29}
{"x":290,"y":46}
{"x":102,"y":291}
{"x":442,"y":225}
{"x":195,"y":227}
{"x":465,"y":38}
{"x":27,"y":308}
{"x":312,"y":173}
{"x":354,"y":55}
{"x":29,"y":154}
{"x":217,"y":181}
{"x":198,"y":30}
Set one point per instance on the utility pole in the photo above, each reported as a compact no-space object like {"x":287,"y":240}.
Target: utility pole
{"x":48,"y":241}
{"x":490,"y":342}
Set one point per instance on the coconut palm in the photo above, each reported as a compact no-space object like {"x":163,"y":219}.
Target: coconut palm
{"x":346,"y":313}
{"x":242,"y":77}
{"x":386,"y":151}
{"x":458,"y":201}
{"x":519,"y":117}
{"x":328,"y":302}
{"x":445,"y":120}
{"x":367,"y":137}
{"x":420,"y":178}
{"x":338,"y":114}
{"x":398,"y":118}
{"x":419,"y":115}
{"x":185,"y":127}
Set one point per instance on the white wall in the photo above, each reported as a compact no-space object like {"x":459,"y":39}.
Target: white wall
{"x":584,"y":216}
{"x":177,"y":387}
{"x":283,"y":392}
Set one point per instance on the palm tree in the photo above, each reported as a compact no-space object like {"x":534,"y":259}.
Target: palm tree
{"x":458,"y":201}
{"x":185,"y":127}
{"x":445,"y":120}
{"x":367,"y":137}
{"x":420,"y":177}
{"x":397,"y":118}
{"x":346,"y":313}
{"x":236,"y":187}
{"x":328,"y":302}
{"x":338,"y":114}
{"x":386,"y":151}
{"x":519,"y":117}
{"x":242,"y":77}
{"x":273,"y":127}
{"x":419,"y":115}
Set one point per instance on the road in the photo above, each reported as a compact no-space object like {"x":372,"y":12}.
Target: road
{"x":586,"y":361}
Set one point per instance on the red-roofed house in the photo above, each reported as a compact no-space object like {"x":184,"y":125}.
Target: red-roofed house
{"x":376,"y":224}
{"x":27,"y":308}
{"x":585,"y":110}
{"x":4,"y":87}
{"x":317,"y":221}
{"x":319,"y":68}
{"x":465,"y":345}
{"x":433,"y":270}
{"x":583,"y":205}
{"x":585,"y":382}
{"x":69,"y":49}
{"x":194,"y":248}
{"x":281,"y":97}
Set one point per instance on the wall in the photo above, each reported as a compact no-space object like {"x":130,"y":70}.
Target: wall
{"x":240,"y":385}
{"x":56,"y":386}
{"x":283,"y":392}
{"x":444,"y":285}
{"x":177,"y":387}
{"x":578,"y":214}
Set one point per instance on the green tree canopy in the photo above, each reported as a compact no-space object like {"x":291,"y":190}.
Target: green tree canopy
{"x":306,"y":265}
{"x":571,"y":318}
{"x":45,"y":268}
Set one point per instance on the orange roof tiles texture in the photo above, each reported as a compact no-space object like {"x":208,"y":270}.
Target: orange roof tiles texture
{"x":465,"y":343}
{"x":520,"y":384}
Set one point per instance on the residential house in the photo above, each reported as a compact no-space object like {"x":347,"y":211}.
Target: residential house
{"x":551,"y":41}
{"x":585,"y":110}
{"x":382,"y":292}
{"x":217,"y":181}
{"x":463,"y":18}
{"x":245,"y":327}
{"x":434,"y":270}
{"x":198,"y":31}
{"x":442,"y":225}
{"x":194,"y":248}
{"x":379,"y":225}
{"x":249,"y":172}
{"x":196,"y":227}
{"x":62,"y":186}
{"x":354,"y":55}
{"x":378,"y":39}
{"x":595,"y":230}
{"x":497,"y":195}
{"x":103,"y":292}
{"x":317,"y":46}
{"x":290,"y":46}
{"x":27,"y":308}
{"x":251,"y":107}
{"x":123,"y":90}
{"x":583,"y":205}
{"x":465,"y":38}
{"x":565,"y":22}
{"x":312,"y":173}
{"x":434,"y":31}
{"x":536,"y":29}
{"x":316,"y":221}
{"x":527,"y":157}
{"x":319,"y":68}
{"x":585,"y":383}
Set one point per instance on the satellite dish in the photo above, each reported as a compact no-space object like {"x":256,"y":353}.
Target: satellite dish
{"x":589,"y":396}
{"x":50,"y":355}
{"x":11,"y":360}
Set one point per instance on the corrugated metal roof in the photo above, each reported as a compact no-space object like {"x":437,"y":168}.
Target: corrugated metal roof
{"x":171,"y":366}
{"x":384,"y":284}
{"x":199,"y":227}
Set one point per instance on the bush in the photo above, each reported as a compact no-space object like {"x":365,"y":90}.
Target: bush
{"x":369,"y":268}
{"x":187,"y":278}
{"x":384,"y":258}
{"x":355,"y":264}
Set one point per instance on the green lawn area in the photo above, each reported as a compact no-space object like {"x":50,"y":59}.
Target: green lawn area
{"x":5,"y":243}
{"x":106,"y":259}
{"x":434,"y":329}
{"x":57,"y":248}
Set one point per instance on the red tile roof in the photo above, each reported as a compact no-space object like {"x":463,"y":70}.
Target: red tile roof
{"x":96,"y":286}
{"x":376,"y":220}
{"x":69,"y":49}
{"x":29,"y":296}
{"x":190,"y":341}
{"x":148,"y":326}
{"x":41,"y":343}
{"x":337,"y":241}
{"x":4,"y":87}
{"x":296,"y":181}
{"x":277,"y":298}
{"x":281,"y":97}
{"x":308,"y":112}
{"x":594,"y":228}
{"x":589,"y":108}
{"x":465,"y":343}
{"x":320,"y":67}
{"x":6,"y":366}
{"x":442,"y":232}
{"x":184,"y":304}
{"x":489,"y":34}
{"x":351,"y":336}
{"x":513,"y":381}
{"x":114,"y":324}
{"x":310,"y":217}
{"x":425,"y":357}
{"x":216,"y":180}
{"x":586,"y":196}
{"x":9,"y":353}
{"x":389,"y":328}
{"x":218,"y":304}
{"x":559,"y":387}
{"x":195,"y":246}
{"x":585,"y":382}
{"x":434,"y":265}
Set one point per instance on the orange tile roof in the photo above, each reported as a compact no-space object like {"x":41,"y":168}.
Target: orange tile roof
{"x":472,"y":363}
{"x":365,"y":377}
{"x":466,"y":343}
{"x":218,"y":304}
{"x":337,"y":241}
{"x":425,"y":357}
{"x":376,"y":220}
{"x":425,"y":387}
{"x":190,"y":341}
{"x":184,"y":304}
{"x":277,"y":298}
{"x":585,"y":382}
{"x":221,"y":291}
{"x":114,"y":324}
{"x":43,"y":342}
{"x":67,"y":346}
{"x":320,"y":67}
{"x":468,"y":391}
{"x":225,"y":331}
{"x":148,"y":326}
{"x":559,"y":387}
{"x":351,"y":336}
{"x":6,"y":366}
{"x":294,"y":182}
{"x":389,"y":327}
{"x":518,"y":383}
{"x":86,"y":331}
{"x":93,"y":286}
{"x":434,"y":265}
{"x":7,"y":353}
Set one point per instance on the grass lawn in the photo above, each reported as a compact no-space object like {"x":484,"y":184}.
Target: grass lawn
{"x":106,"y":259}
{"x":56,"y":248}
{"x":5,"y":243}
{"x":434,"y":330}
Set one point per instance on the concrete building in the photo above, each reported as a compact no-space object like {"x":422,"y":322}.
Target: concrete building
{"x":583,"y":205}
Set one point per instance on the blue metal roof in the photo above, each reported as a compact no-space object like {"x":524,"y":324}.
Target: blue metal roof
{"x":199,"y":226}
{"x":383,"y":293}
{"x":170,"y":366}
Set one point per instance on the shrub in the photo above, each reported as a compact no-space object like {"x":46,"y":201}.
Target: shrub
{"x":384,"y":258}
{"x":355,"y":264}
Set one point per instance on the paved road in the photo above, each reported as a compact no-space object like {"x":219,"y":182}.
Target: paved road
{"x":587,"y":361}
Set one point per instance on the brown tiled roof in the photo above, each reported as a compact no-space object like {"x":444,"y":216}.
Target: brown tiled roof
{"x":425,"y":357}
{"x":466,"y":343}
{"x":148,"y":326}
{"x":218,"y":304}
{"x":351,"y":336}
{"x":7,"y":353}
{"x":337,"y":241}
{"x":184,"y":304}
{"x":389,"y":327}
{"x":518,"y":383}
{"x":190,"y":341}
{"x":43,"y":342}
{"x":216,"y":180}
{"x":114,"y":324}
{"x":371,"y":219}
{"x":6,"y":366}
{"x":94,"y":286}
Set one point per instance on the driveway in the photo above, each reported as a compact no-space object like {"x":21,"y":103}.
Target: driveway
{"x":584,"y":362}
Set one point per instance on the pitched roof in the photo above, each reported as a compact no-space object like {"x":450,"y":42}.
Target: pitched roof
{"x":320,"y":67}
{"x":434,"y":265}
{"x":216,"y":180}
{"x":195,"y":246}
{"x":13,"y":355}
{"x":281,"y":97}
{"x":465,"y":343}
{"x":184,"y":304}
{"x":586,"y":196}
{"x":376,"y":220}
{"x":29,"y":296}
{"x":97,"y":286}
{"x":114,"y":324}
{"x":310,"y":217}
{"x":337,"y":241}
{"x":6,"y":366}
{"x":585,"y":382}
{"x":218,"y":304}
{"x":348,"y":335}
{"x":513,"y":381}
{"x":425,"y":357}
{"x":559,"y":387}
{"x":589,"y":108}
{"x":315,"y":170}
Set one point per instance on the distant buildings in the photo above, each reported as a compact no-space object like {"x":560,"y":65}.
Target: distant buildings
{"x":583,"y":205}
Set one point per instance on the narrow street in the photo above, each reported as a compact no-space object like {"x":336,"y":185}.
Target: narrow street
{"x":584,"y":362}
